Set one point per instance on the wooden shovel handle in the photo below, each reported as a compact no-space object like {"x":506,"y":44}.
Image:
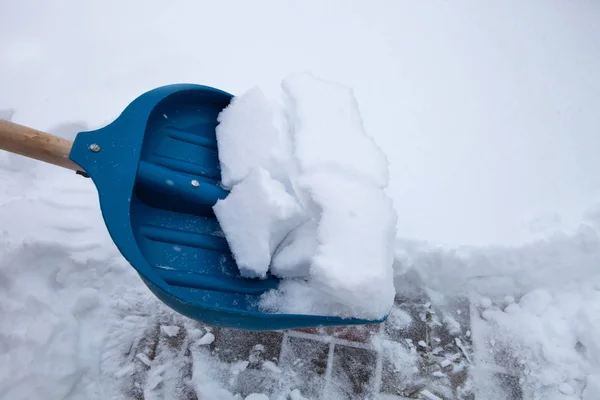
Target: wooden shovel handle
{"x":36,"y":144}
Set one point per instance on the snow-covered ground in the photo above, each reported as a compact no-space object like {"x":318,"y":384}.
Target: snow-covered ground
{"x":488,"y":114}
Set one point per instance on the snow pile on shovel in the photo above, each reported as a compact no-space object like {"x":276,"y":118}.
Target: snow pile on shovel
{"x":307,"y":200}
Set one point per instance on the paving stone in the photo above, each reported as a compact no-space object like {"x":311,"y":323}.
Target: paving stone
{"x":307,"y":359}
{"x":301,"y":362}
{"x":353,"y":371}
{"x":232,"y":345}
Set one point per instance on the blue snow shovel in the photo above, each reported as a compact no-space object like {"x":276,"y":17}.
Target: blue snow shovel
{"x":157,"y":172}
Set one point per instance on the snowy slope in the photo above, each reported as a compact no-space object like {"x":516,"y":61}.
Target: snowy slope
{"x":488,"y":115}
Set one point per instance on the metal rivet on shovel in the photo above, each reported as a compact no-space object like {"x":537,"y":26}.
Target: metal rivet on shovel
{"x":94,"y":147}
{"x":195,"y":183}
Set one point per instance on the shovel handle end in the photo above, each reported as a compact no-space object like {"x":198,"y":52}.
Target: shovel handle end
{"x":29,"y":142}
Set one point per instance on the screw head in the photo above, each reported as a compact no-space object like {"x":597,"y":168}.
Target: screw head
{"x":94,"y":147}
{"x":195,"y":183}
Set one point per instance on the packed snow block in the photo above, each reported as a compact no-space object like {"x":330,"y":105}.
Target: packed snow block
{"x":351,"y":272}
{"x":328,"y":129}
{"x":307,"y":200}
{"x":353,"y":263}
{"x":250,"y":135}
{"x":256,"y":216}
{"x":293,"y":257}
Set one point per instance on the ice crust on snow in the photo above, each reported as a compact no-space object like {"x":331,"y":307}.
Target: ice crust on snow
{"x":310,"y":206}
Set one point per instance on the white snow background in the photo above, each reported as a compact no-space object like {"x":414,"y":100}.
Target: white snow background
{"x":488,"y":112}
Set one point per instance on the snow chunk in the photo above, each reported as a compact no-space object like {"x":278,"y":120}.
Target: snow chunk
{"x":248,"y":137}
{"x":195,"y":333}
{"x":271,"y":367}
{"x":403,"y":358}
{"x":170,"y":330}
{"x":127,"y":370}
{"x":485,"y":302}
{"x":355,"y":237}
{"x":257,"y":396}
{"x":536,"y":301}
{"x":296,"y":395}
{"x":206,"y":339}
{"x":155,"y":377}
{"x":238,"y":367}
{"x":328,"y":129}
{"x":144,"y":359}
{"x":399,"y":319}
{"x":293,"y":257}
{"x":512,"y":308}
{"x":451,"y":324}
{"x":255,"y":217}
{"x":351,"y":273}
{"x":429,"y":396}
{"x":310,"y":204}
